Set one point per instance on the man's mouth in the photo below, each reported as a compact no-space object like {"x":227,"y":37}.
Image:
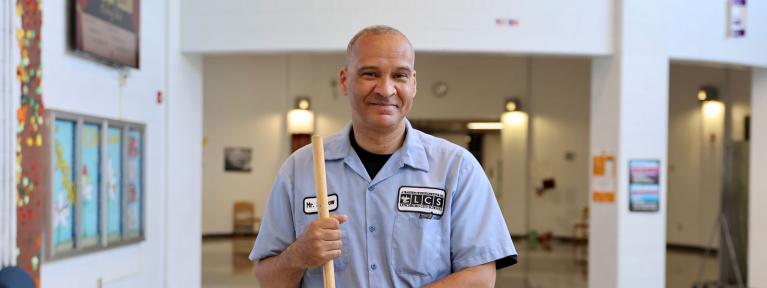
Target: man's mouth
{"x":384,"y":104}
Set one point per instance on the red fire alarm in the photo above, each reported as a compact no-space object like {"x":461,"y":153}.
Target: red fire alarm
{"x":159,"y":97}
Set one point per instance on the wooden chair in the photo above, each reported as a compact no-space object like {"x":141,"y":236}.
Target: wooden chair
{"x":244,"y":218}
{"x":582,"y":227}
{"x":581,"y":237}
{"x":244,"y":222}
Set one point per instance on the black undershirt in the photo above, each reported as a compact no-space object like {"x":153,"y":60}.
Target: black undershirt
{"x":372,"y":162}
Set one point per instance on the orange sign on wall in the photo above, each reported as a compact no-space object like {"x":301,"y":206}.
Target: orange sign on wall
{"x":603,"y":179}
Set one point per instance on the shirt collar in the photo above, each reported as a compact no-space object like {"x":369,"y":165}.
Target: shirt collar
{"x":412,"y":152}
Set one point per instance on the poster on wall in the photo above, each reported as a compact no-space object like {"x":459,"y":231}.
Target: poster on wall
{"x":107,"y":29}
{"x":62,"y":210}
{"x":603,"y":179}
{"x":113,"y":185}
{"x":644,"y":185}
{"x":134,"y":185}
{"x":89,"y":184}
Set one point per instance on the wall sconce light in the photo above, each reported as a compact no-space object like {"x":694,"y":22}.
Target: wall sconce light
{"x":708,"y":93}
{"x":709,"y":96}
{"x":514,"y":114}
{"x":303,"y":103}
{"x":512,"y":104}
{"x":300,"y":123}
{"x":300,"y":118}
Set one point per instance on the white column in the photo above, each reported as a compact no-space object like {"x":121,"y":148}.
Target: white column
{"x":183,"y":195}
{"x":629,"y":119}
{"x":8,"y":103}
{"x":603,"y":220}
{"x":757,"y":220}
{"x":514,"y":156}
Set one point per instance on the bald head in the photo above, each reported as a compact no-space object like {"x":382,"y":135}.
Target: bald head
{"x":373,"y":30}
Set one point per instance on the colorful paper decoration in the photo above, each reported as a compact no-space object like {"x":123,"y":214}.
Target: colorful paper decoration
{"x":31,"y":147}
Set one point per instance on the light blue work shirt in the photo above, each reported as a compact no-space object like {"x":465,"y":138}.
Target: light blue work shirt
{"x":399,"y":232}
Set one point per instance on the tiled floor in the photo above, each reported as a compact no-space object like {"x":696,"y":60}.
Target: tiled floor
{"x":224,"y":264}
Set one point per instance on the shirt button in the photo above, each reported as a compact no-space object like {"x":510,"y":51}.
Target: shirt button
{"x":371,"y":188}
{"x":372,"y":228}
{"x":373,"y":267}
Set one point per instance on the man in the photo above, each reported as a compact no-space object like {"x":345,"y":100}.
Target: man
{"x":409,"y":209}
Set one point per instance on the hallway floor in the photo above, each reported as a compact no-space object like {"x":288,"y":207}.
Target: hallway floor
{"x":225,"y":264}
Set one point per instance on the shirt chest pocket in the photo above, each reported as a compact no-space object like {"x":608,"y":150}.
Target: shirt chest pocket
{"x":419,"y":248}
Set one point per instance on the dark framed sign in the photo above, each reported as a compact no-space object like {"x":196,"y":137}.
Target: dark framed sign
{"x":644,"y":185}
{"x":107,"y":30}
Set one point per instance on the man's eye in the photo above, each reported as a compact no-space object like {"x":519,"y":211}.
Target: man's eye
{"x":401,"y":76}
{"x":368,"y":74}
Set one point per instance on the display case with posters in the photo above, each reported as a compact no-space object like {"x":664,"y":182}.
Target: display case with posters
{"x":97,"y":184}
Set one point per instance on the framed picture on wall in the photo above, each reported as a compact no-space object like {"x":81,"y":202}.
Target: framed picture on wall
{"x":237,"y":159}
{"x":107,"y":30}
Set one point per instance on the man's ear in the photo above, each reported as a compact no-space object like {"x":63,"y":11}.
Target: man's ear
{"x":343,"y":76}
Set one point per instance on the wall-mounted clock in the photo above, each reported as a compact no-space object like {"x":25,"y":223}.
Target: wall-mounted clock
{"x":439,"y":89}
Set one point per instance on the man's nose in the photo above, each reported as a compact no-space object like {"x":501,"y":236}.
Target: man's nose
{"x":385,"y":87}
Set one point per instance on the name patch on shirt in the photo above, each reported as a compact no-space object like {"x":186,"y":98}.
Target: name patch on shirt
{"x":310,"y":204}
{"x":421,"y":200}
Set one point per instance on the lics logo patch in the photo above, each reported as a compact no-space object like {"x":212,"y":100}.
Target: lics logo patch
{"x":421,"y":200}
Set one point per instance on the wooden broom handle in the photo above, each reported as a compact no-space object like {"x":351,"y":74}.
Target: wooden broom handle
{"x":322,"y":201}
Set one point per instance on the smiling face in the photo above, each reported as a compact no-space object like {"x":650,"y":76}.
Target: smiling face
{"x":379,"y":80}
